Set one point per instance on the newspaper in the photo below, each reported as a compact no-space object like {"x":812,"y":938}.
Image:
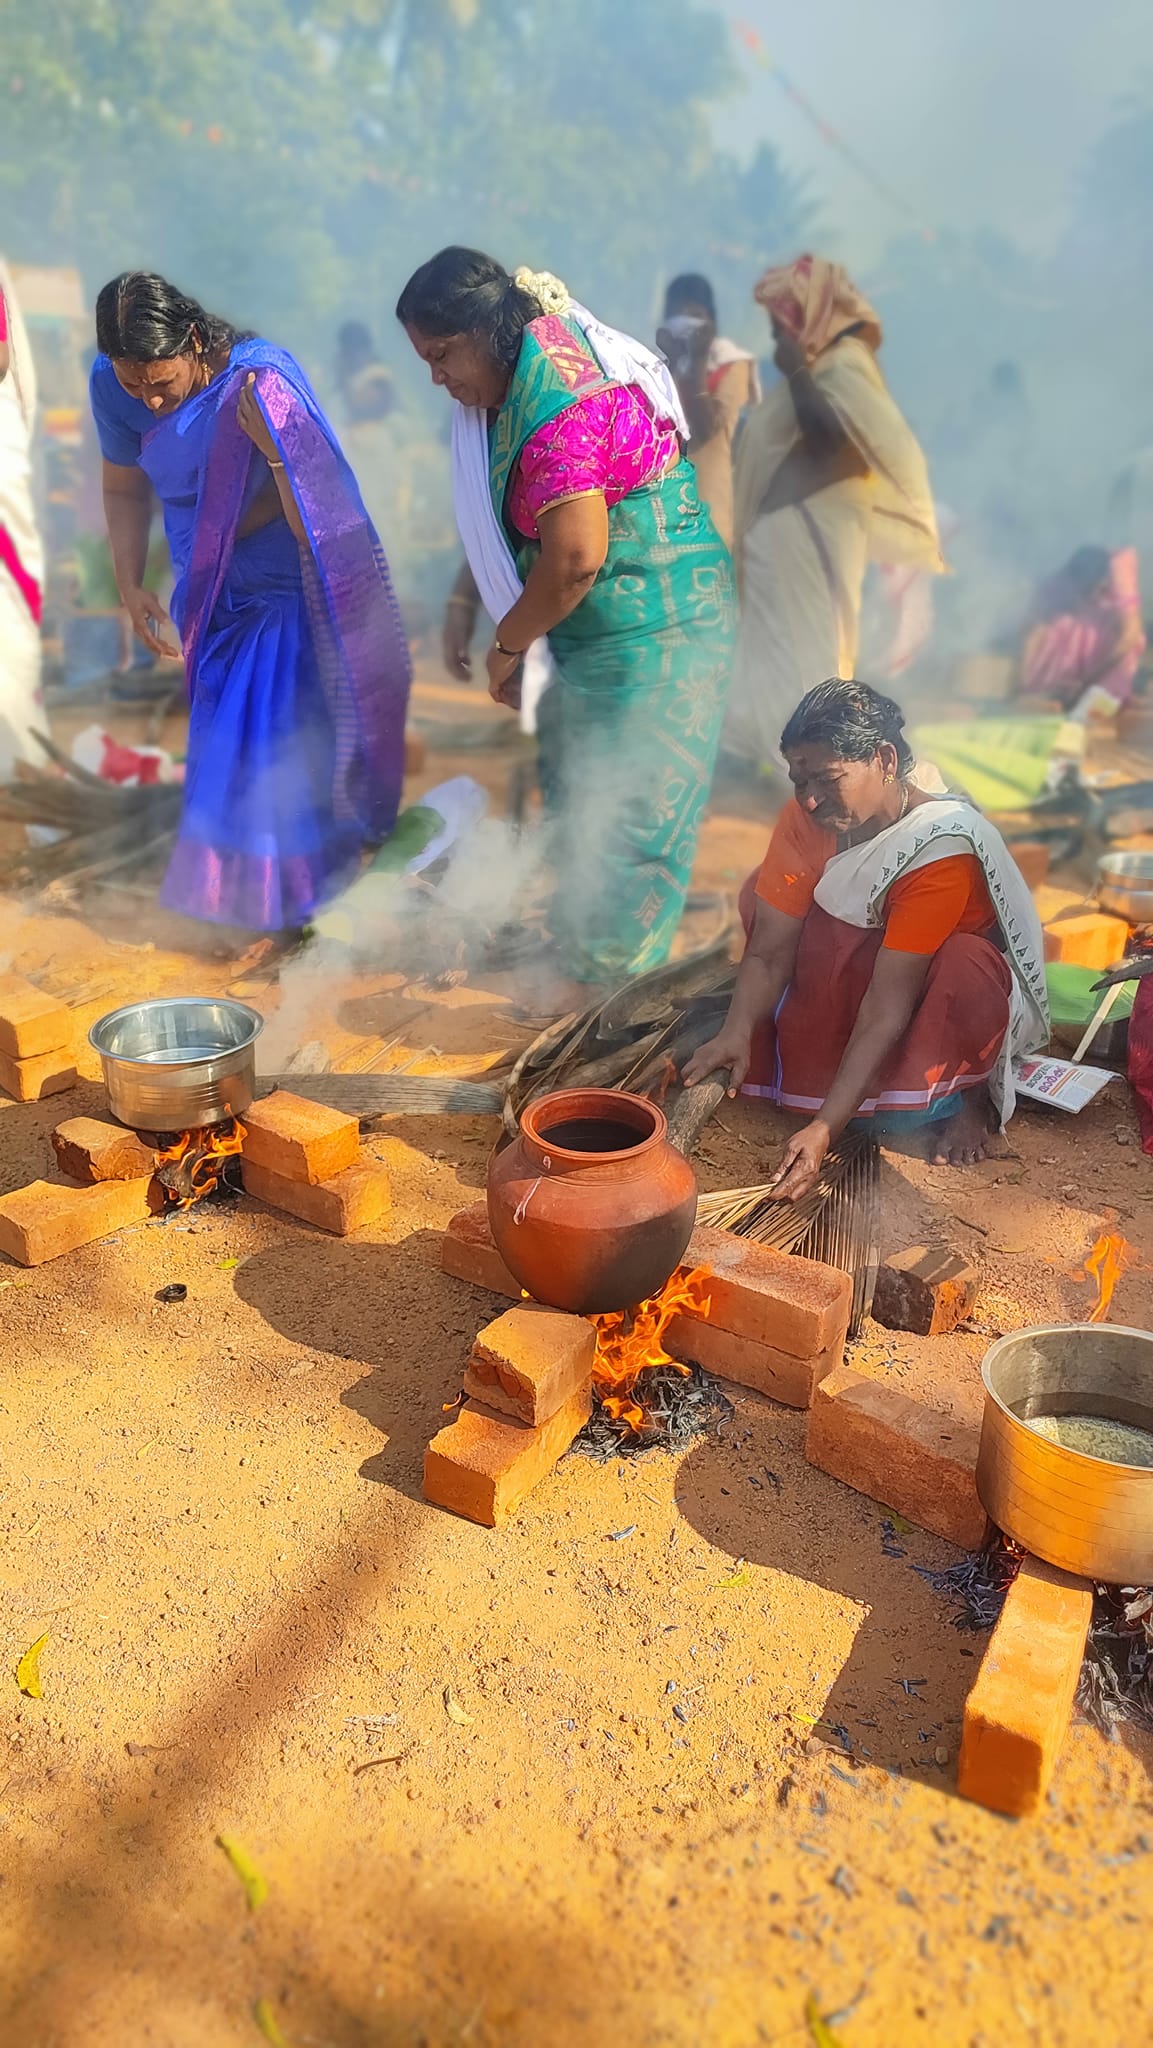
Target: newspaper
{"x":1059,"y":1082}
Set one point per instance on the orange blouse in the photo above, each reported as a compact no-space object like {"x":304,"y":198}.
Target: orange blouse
{"x":922,"y":910}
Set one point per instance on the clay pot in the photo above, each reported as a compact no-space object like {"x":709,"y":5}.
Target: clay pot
{"x":590,"y":1206}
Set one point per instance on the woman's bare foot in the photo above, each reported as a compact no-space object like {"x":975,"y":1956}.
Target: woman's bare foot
{"x":968,"y":1136}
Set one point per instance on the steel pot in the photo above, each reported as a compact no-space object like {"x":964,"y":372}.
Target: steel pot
{"x":1086,"y":1515}
{"x":179,"y":1063}
{"x":1125,"y":885}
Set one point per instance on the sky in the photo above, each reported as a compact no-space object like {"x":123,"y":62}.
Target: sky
{"x":975,"y":112}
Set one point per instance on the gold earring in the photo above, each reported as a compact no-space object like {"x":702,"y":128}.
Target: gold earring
{"x":890,"y":778}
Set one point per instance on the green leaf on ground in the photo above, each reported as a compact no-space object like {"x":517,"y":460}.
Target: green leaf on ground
{"x":265,"y":2019}
{"x":254,"y":1881}
{"x":820,"y":2033}
{"x":28,"y":1670}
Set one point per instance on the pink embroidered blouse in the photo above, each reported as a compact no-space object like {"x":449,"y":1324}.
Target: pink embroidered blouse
{"x":609,"y":441}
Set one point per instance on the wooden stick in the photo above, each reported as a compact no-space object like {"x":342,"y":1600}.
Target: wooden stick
{"x":1097,"y":1019}
{"x":696,"y":1106}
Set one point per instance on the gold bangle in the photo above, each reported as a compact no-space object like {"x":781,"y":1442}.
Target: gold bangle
{"x":273,"y":464}
{"x":467,"y":604}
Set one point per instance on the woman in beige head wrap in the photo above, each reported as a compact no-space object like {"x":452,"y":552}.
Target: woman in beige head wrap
{"x":828,"y":477}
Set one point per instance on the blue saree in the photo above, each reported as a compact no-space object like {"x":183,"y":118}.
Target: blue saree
{"x":297,"y":666}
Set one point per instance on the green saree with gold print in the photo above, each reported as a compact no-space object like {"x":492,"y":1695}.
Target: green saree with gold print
{"x":629,"y":729}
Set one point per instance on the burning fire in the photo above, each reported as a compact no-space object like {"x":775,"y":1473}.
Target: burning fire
{"x":629,"y":1342}
{"x":1105,"y":1264}
{"x":193,"y":1164}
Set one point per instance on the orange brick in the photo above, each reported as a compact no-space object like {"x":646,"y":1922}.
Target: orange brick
{"x":483,"y":1465}
{"x":88,"y":1149}
{"x":299,"y":1140}
{"x":927,"y":1290}
{"x":48,"y":1217}
{"x":793,"y":1305}
{"x":778,"y":1374}
{"x":31,"y":1022}
{"x":1033,"y":858}
{"x":1089,"y":940}
{"x":46,"y":1073}
{"x":1019,"y":1708}
{"x":910,"y":1457}
{"x":468,"y":1253}
{"x":362,"y":1194}
{"x":530,"y":1361}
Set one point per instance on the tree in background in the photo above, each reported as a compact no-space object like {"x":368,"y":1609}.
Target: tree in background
{"x":291,"y":163}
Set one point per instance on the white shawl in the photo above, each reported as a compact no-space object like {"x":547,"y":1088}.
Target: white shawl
{"x":485,"y":543}
{"x":855,"y":884}
{"x":17,"y":419}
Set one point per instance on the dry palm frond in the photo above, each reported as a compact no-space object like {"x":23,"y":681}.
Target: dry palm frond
{"x":835,"y":1222}
{"x":633,"y":1039}
{"x":105,"y":828}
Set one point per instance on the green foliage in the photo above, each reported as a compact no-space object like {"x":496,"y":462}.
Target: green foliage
{"x":291,"y":163}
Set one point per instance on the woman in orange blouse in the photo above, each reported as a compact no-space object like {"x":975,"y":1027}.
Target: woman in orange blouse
{"x":894,"y":964}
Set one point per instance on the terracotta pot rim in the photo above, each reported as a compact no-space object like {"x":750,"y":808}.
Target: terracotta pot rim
{"x":570,"y":1105}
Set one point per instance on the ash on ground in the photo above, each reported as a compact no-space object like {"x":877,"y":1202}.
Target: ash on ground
{"x":679,"y":1405}
{"x":1116,"y":1684}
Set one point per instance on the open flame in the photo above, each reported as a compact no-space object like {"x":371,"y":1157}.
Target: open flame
{"x":629,"y":1342}
{"x":1105,"y":1264}
{"x":192,"y":1166}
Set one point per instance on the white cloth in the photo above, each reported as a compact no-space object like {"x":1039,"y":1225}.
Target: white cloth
{"x":855,"y":884}
{"x":19,"y":633}
{"x":485,"y":542}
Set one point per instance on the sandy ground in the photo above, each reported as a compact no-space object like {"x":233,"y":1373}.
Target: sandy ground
{"x":573,"y":1783}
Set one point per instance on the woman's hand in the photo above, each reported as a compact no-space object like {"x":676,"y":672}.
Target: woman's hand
{"x":456,"y":638}
{"x":803,"y":1160}
{"x":730,"y":1048}
{"x":250,"y":419}
{"x":149,"y":618}
{"x":504,"y":677}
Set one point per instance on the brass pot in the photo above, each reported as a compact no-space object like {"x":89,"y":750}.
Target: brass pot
{"x":1085,"y":1515}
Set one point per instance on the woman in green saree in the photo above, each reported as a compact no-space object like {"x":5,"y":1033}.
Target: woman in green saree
{"x":587,"y":540}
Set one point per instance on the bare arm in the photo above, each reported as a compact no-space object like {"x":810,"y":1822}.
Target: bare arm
{"x":250,"y":418}
{"x":819,"y":423}
{"x":887,"y":1006}
{"x":128,"y":514}
{"x":762,"y":978}
{"x":5,"y":359}
{"x":574,"y":541}
{"x":460,"y":623}
{"x":824,"y":453}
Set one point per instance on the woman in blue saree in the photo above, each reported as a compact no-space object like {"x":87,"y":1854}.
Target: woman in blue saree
{"x":297,"y":666}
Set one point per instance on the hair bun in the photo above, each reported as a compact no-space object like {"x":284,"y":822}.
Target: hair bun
{"x":550,"y":294}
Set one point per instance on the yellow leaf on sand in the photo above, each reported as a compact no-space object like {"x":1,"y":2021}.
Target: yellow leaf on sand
{"x":737,"y":1578}
{"x":820,"y":2032}
{"x":265,"y":2019}
{"x":455,"y":1711}
{"x":28,"y":1670}
{"x":254,"y":1881}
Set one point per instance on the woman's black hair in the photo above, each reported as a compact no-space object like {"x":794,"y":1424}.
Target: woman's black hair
{"x":852,"y":720}
{"x":461,"y":291}
{"x":141,"y":318}
{"x":690,"y":289}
